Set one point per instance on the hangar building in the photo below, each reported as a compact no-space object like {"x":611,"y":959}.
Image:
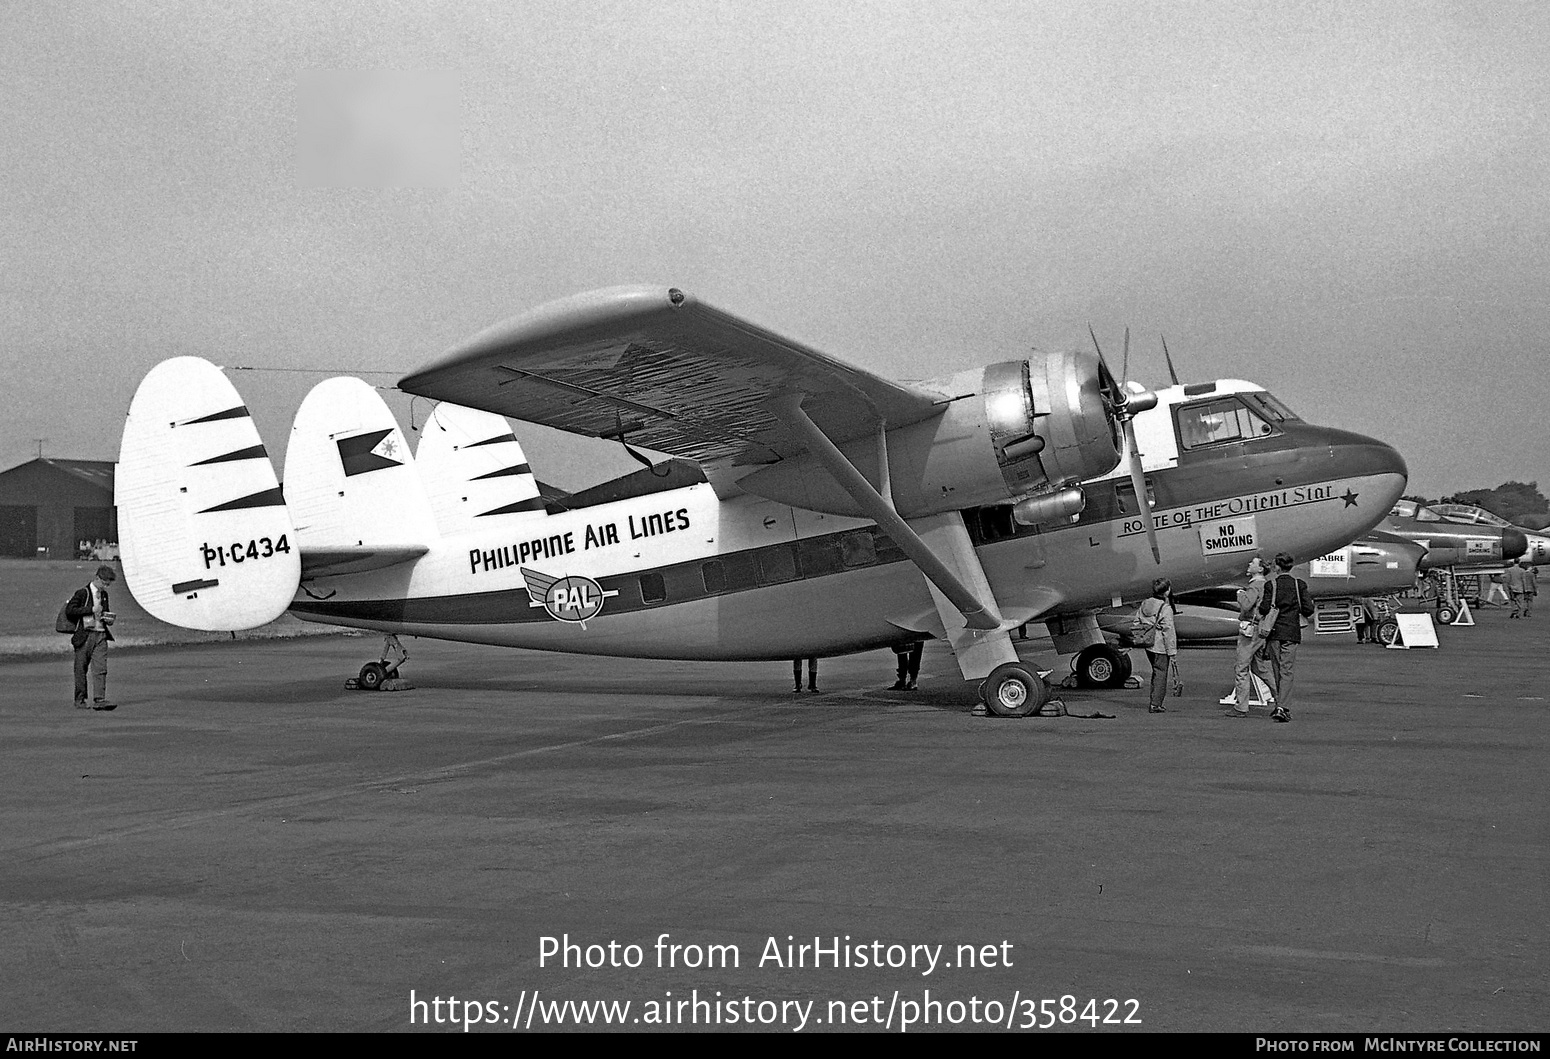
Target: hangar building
{"x":48,"y":506}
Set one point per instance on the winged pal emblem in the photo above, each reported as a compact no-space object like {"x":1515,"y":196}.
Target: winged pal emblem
{"x":572,"y":598}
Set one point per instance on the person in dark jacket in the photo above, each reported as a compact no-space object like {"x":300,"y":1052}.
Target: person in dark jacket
{"x":93,"y":618}
{"x":1288,"y":597}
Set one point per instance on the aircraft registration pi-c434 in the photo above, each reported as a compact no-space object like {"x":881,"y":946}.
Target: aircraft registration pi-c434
{"x":838,"y":511}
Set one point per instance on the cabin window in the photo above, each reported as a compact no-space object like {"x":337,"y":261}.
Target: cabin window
{"x":995,"y":523}
{"x":1219,"y":422}
{"x":715,"y":576}
{"x":819,"y":556}
{"x":739,"y":570}
{"x":857,"y":549}
{"x":777,"y":564}
{"x":652,"y":588}
{"x":1125,"y":496}
{"x":887,"y":550}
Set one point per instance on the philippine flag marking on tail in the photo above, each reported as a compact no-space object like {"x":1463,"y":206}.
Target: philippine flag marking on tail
{"x":371,"y":451}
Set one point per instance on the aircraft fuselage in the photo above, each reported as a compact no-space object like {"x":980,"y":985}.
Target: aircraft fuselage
{"x":681,"y":574}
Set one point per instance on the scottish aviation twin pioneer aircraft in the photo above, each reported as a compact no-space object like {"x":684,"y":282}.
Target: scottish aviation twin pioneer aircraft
{"x":838,"y":511}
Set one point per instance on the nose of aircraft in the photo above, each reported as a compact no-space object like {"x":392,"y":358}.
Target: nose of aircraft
{"x":1538,"y":550}
{"x":1356,"y":455}
{"x":1514,"y":543}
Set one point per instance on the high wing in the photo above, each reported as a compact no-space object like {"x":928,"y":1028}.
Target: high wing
{"x":670,"y":373}
{"x":773,"y":417}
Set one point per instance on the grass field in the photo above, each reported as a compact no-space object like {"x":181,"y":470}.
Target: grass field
{"x":32,"y":591}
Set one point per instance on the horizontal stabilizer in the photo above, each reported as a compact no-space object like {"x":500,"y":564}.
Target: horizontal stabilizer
{"x":474,"y":472}
{"x":351,"y":483}
{"x":205,"y":537}
{"x":334,"y":561}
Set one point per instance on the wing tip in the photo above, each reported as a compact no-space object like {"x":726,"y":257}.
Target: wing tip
{"x":604,"y":309}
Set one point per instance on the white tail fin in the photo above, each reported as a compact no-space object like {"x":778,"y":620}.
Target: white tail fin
{"x":350,"y":479}
{"x":204,"y":533}
{"x":474,"y":471}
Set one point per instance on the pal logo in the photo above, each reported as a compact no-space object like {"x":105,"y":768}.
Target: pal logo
{"x":571,"y":599}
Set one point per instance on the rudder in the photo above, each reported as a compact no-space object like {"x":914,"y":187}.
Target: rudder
{"x":350,"y":478}
{"x":474,"y":471}
{"x":204,"y":534}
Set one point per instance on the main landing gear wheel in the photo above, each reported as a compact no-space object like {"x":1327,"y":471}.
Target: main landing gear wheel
{"x":373,"y":674}
{"x":1013,"y":690}
{"x":1101,"y":666}
{"x":1446,"y":613}
{"x":1388,"y":631}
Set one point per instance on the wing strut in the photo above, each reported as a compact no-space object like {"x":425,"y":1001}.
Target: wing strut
{"x":978,"y":613}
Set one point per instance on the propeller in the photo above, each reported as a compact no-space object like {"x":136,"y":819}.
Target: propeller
{"x":1123,"y":404}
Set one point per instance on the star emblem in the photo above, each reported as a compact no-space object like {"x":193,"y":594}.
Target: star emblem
{"x":1350,"y":498}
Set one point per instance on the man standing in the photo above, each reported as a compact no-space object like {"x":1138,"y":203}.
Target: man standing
{"x":1530,"y":586}
{"x":89,"y":609}
{"x":1515,"y":581}
{"x":812,"y":675}
{"x":908,"y":656}
{"x":1249,"y":642}
{"x":1288,"y":597}
{"x":1154,"y":622}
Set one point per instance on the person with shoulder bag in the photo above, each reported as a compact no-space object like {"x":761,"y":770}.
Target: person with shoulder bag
{"x":1286,"y":603}
{"x":89,"y":609}
{"x":1153,"y":629}
{"x":1250,"y":639}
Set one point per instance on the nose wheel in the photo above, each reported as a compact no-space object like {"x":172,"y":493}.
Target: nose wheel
{"x":1101,"y":666}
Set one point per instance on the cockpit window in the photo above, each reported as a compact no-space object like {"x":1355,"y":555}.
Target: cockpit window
{"x":1411,"y":509}
{"x":1216,"y":422}
{"x":1273,"y":409}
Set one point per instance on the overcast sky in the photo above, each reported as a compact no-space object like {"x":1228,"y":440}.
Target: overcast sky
{"x":1347,"y":203}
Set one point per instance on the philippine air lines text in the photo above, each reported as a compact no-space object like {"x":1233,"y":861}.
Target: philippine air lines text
{"x":898,"y":1011}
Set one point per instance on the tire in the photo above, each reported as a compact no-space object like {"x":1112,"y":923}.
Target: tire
{"x":1101,"y":666}
{"x":1013,"y":690}
{"x":372,"y":676}
{"x":1388,"y":631}
{"x":1446,"y":614}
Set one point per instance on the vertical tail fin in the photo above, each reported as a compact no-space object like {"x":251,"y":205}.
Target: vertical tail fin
{"x":474,"y":471}
{"x":205,"y":537}
{"x":350,"y":480}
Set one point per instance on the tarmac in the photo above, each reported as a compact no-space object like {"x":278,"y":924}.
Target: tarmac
{"x":245,"y":845}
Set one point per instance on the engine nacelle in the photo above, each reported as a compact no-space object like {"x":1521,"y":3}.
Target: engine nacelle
{"x":1020,"y":428}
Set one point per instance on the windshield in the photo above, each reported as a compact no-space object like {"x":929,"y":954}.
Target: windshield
{"x":1217,"y":422}
{"x":1272,"y":408}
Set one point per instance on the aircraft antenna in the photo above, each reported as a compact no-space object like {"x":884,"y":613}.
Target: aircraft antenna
{"x":1171,"y":373}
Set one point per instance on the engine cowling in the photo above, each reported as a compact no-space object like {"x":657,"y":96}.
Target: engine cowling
{"x":1021,"y":428}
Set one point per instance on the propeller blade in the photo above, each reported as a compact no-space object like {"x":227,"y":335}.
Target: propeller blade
{"x":1114,"y":392}
{"x":1124,"y":364}
{"x":1171,"y":373}
{"x":1138,"y":482}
